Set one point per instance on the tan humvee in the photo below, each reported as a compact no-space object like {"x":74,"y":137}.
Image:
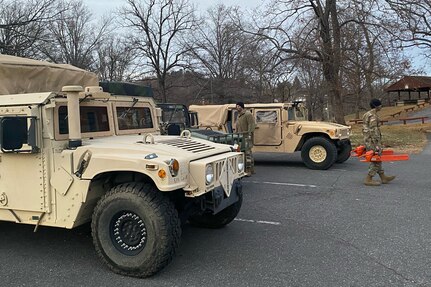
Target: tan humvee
{"x":282,"y":127}
{"x":73,"y":156}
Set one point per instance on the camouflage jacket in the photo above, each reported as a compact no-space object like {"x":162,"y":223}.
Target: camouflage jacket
{"x":371,"y":129}
{"x":245,"y":122}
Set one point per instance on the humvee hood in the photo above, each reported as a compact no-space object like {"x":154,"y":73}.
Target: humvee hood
{"x":190,"y":148}
{"x":322,"y":125}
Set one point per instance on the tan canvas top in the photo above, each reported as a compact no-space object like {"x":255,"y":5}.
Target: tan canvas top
{"x":21,"y":75}
{"x":211,"y":115}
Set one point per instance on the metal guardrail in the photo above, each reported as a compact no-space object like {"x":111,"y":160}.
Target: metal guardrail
{"x":243,"y":140}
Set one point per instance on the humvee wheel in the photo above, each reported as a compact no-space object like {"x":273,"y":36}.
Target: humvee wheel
{"x":135,"y":229}
{"x":319,"y":153}
{"x":219,"y":220}
{"x":344,"y":151}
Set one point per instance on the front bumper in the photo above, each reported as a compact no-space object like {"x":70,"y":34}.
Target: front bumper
{"x":217,"y":199}
{"x":342,"y":143}
{"x":225,"y":170}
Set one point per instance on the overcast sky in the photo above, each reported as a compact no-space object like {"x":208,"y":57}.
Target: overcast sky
{"x":99,"y":7}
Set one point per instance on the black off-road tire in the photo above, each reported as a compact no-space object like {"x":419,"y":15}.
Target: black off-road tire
{"x":136,"y":230}
{"x":344,"y":151}
{"x":319,"y":153}
{"x":219,"y":220}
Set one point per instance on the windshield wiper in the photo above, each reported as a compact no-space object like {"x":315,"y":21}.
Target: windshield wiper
{"x":135,"y":101}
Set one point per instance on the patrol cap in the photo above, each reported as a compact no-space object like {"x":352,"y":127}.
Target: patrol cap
{"x":241,"y":104}
{"x":374,"y":103}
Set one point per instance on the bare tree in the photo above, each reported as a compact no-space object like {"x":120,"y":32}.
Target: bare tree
{"x":335,"y":34}
{"x":315,"y":90}
{"x":23,"y":24}
{"x":159,"y":26}
{"x":413,"y":27}
{"x":115,"y":60}
{"x":369,"y":54}
{"x":310,"y":29}
{"x":219,"y":50}
{"x":74,"y":38}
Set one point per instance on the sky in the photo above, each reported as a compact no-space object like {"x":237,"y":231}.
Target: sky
{"x":99,"y":7}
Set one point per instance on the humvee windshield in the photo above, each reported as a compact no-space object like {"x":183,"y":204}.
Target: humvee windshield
{"x":173,"y":114}
{"x":134,"y":118}
{"x":95,"y":119}
{"x":297,"y":112}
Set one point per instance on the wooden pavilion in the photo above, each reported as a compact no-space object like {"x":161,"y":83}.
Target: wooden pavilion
{"x":410,"y":90}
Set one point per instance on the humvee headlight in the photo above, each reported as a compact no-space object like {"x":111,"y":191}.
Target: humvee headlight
{"x":240,"y":164}
{"x":174,"y":167}
{"x":331,"y":133}
{"x":209,"y":174}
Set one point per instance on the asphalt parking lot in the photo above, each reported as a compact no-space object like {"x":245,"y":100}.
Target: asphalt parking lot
{"x":297,"y":227}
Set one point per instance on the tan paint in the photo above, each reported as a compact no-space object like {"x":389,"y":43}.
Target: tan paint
{"x":73,"y":111}
{"x":45,"y":187}
{"x":281,"y":135}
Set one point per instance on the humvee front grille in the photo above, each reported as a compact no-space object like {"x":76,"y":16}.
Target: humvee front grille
{"x":188,"y":145}
{"x":344,"y":132}
{"x":231,"y":168}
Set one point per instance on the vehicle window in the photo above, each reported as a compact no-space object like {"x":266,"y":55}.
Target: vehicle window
{"x":134,"y":118}
{"x":290,"y":114}
{"x":93,"y":119}
{"x":173,"y":115}
{"x":266,"y":117}
{"x":299,"y":113}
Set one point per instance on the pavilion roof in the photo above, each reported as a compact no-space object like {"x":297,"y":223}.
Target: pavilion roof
{"x":411,"y":83}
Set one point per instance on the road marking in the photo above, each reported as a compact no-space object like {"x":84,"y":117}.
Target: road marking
{"x":282,"y":183}
{"x":258,"y":221}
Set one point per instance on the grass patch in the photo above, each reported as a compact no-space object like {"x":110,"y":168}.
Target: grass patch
{"x":409,"y":138}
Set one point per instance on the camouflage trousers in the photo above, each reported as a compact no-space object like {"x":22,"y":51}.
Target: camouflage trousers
{"x":374,"y":168}
{"x":249,"y":160}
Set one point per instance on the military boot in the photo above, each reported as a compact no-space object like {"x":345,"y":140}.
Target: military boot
{"x":370,"y":182}
{"x":386,"y":178}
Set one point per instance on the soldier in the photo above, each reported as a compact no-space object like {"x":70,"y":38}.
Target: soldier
{"x":246,"y":124}
{"x":373,"y":141}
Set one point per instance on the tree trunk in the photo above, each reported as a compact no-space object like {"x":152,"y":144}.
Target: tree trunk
{"x":331,"y":50}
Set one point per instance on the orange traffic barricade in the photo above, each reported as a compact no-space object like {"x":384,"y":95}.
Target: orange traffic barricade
{"x":385,"y":155}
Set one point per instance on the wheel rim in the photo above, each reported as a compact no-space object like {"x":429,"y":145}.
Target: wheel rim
{"x":128,"y":233}
{"x":317,"y":153}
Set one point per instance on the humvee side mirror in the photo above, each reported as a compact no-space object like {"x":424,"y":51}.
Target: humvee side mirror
{"x":18,"y":134}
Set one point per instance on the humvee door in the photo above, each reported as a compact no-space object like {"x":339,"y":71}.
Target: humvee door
{"x":268,"y":130}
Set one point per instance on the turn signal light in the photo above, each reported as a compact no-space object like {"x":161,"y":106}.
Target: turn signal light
{"x":162,"y":173}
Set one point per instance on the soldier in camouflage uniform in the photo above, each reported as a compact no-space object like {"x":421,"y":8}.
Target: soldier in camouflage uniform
{"x":373,"y":141}
{"x":246,"y":124}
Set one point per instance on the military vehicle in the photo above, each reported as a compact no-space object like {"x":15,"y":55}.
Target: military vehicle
{"x":284,"y":128}
{"x":70,"y":156}
{"x":176,"y":118}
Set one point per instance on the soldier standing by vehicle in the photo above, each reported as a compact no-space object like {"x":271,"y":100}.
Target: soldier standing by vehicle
{"x":373,"y":141}
{"x":246,"y":124}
